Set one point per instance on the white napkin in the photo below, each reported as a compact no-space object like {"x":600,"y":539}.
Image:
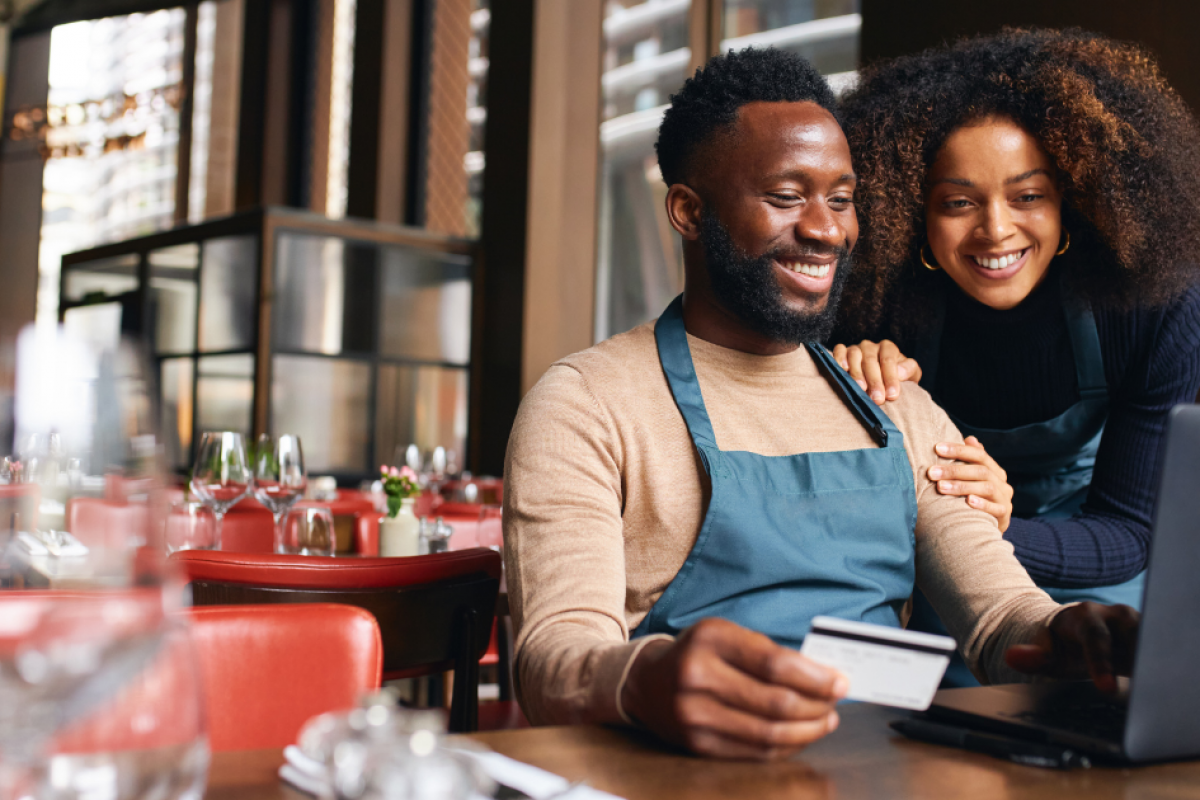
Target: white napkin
{"x":40,"y":545}
{"x":308,"y":775}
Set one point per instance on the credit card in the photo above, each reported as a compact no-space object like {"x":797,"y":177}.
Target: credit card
{"x":889,"y":666}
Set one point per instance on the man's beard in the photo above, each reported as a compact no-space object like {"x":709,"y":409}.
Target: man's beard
{"x":747,"y":287}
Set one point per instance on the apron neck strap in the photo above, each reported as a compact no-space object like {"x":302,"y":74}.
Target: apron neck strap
{"x":863,"y":407}
{"x":1085,"y":344}
{"x":676,"y":358}
{"x":1081,"y":327}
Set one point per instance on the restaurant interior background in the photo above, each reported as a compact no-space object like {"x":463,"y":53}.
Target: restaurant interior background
{"x":376,"y":222}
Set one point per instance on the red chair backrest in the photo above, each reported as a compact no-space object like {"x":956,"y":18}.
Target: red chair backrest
{"x":106,"y":523}
{"x":366,"y":534}
{"x":251,"y":531}
{"x":435,"y":612}
{"x":267,"y":670}
{"x":159,"y":707}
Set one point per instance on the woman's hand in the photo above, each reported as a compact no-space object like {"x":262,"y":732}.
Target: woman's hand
{"x":978,"y":477}
{"x":879,"y":369}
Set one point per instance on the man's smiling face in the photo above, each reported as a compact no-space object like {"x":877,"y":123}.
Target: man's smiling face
{"x":778,"y":221}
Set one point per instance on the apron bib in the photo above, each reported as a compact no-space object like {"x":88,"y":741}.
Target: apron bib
{"x":1049,"y":464}
{"x":789,"y":538}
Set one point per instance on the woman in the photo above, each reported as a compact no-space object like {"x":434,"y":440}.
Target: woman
{"x":1030,"y":209}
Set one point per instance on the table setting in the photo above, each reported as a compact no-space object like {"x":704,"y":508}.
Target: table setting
{"x":381,"y":751}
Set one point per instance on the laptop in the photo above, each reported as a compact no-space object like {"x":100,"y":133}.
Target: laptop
{"x":1156,"y":715}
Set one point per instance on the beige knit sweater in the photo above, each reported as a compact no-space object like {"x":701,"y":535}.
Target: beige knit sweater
{"x":605,"y":495}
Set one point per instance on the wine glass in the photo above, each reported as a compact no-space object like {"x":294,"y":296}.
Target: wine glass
{"x":190,"y":526}
{"x":221,"y":477}
{"x":279,"y":478}
{"x":99,"y":691}
{"x":490,"y":532}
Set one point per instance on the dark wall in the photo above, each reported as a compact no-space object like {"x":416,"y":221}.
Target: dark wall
{"x":1168,"y":28}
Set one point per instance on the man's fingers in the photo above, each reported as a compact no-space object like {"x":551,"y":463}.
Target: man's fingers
{"x":1098,"y":654}
{"x":774,"y":746}
{"x":1031,"y":659}
{"x":743,"y":691}
{"x":770,"y":663}
{"x":1124,"y":625}
{"x":701,"y":713}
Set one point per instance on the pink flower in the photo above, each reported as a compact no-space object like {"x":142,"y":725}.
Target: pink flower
{"x":395,"y":473}
{"x":383,"y":469}
{"x":407,"y":472}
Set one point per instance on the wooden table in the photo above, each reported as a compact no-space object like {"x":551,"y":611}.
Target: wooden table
{"x":862,"y":759}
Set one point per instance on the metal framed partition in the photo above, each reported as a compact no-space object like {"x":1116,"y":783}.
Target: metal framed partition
{"x":355,"y":335}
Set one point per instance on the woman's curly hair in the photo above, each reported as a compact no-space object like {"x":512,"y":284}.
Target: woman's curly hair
{"x":1126,"y":147}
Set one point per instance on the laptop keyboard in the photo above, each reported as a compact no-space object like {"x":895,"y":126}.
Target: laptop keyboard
{"x":1091,"y":717}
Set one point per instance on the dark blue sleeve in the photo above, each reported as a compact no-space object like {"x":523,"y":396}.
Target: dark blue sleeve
{"x":1108,"y":541}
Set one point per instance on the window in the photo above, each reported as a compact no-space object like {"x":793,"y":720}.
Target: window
{"x":112,"y":137}
{"x":646,"y":57}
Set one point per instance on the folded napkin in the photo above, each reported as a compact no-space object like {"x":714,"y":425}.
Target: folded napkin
{"x":309,"y":776}
{"x":306,"y":774}
{"x":56,"y":543}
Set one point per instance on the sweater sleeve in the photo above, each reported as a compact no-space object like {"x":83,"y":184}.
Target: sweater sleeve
{"x":565,"y":555}
{"x":965,"y":567}
{"x":1108,"y":541}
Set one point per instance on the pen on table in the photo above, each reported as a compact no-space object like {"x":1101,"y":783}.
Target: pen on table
{"x":1018,"y":751}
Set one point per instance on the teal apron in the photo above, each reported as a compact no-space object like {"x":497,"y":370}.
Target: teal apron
{"x":1049,"y":464}
{"x":788,"y":538}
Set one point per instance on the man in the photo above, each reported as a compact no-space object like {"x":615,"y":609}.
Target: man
{"x":684,"y":498}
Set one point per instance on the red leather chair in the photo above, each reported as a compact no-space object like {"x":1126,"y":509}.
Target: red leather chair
{"x":264,"y":672}
{"x":268,"y":670}
{"x":248,"y":531}
{"x":434,"y":611}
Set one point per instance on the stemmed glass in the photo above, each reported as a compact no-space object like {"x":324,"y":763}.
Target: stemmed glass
{"x":279,"y":478}
{"x":221,"y":476}
{"x":100,"y":695}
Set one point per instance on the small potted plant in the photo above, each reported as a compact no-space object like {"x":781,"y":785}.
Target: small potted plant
{"x":399,"y":531}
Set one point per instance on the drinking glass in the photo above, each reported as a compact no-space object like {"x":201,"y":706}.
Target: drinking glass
{"x":491,"y":529}
{"x":190,"y":526}
{"x":99,"y":692}
{"x":221,"y":477}
{"x":279,"y":478}
{"x":101,"y":698}
{"x":309,"y":531}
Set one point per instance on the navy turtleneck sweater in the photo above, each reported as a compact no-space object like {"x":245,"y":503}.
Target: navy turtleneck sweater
{"x":1003,"y":369}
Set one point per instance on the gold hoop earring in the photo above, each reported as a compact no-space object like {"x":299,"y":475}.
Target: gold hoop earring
{"x":925,"y":263}
{"x":1066,"y":244}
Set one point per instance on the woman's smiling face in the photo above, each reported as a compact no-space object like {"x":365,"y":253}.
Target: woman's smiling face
{"x":993,"y":211}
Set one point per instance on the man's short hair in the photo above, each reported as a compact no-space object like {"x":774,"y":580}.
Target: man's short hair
{"x":709,"y":100}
